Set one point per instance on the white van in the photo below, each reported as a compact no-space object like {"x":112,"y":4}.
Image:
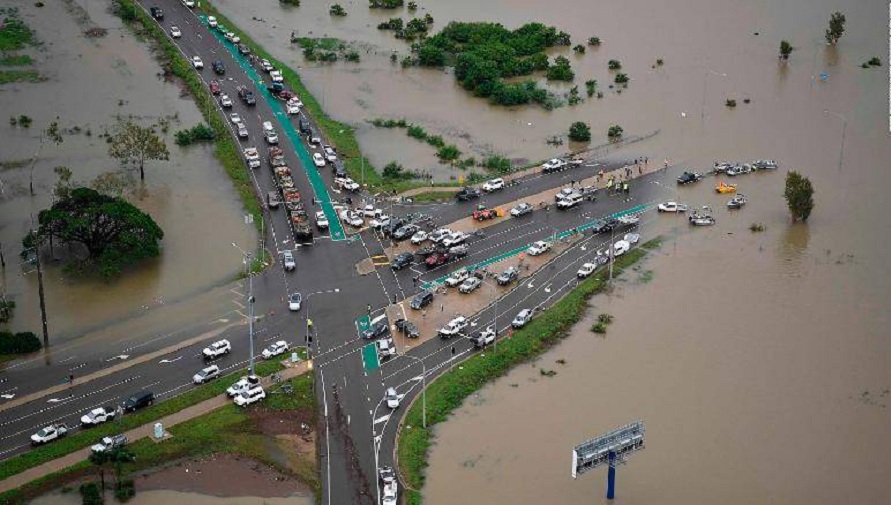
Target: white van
{"x":569,"y":201}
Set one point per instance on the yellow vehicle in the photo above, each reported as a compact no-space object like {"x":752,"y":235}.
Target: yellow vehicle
{"x":723,"y":188}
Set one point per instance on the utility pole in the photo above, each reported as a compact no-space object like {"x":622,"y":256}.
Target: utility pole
{"x":40,"y":292}
{"x":2,"y":259}
{"x":250,"y":298}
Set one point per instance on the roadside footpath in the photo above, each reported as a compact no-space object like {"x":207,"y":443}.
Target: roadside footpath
{"x":143,"y":431}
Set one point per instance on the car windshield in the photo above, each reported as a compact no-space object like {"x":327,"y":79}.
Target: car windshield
{"x":295,"y":297}
{"x":44,"y":432}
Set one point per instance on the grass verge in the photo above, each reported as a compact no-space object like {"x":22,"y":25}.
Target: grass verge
{"x":10,"y":76}
{"x":85,"y":438}
{"x":341,"y":135}
{"x":15,"y":60}
{"x":449,"y":390}
{"x":433,"y":196}
{"x":173,"y":62}
{"x":228,"y":429}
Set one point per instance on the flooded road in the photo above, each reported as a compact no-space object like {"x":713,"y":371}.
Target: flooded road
{"x":90,"y":82}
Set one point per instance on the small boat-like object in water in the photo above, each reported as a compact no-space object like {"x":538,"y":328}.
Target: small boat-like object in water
{"x":725,"y":188}
{"x":737,"y":202}
{"x":702,"y":217}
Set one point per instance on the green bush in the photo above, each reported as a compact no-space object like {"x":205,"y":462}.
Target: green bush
{"x":198,"y":133}
{"x":594,"y":41}
{"x":579,"y":132}
{"x":730,"y":103}
{"x":19,"y":343}
{"x":615,"y":131}
{"x":497,"y":164}
{"x":126,"y":489}
{"x":416,"y":132}
{"x":385,"y":4}
{"x":614,"y":65}
{"x":448,"y":153}
{"x":394,"y":170}
{"x":435,"y":141}
{"x":14,"y":33}
{"x":560,"y":70}
{"x":875,"y":61}
{"x":580,"y":49}
{"x":591,"y":86}
{"x":91,"y":494}
{"x":622,"y":78}
{"x":337,"y":10}
{"x":599,"y":328}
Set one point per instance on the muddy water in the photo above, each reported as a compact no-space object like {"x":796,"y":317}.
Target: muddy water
{"x":91,"y":81}
{"x":169,"y":497}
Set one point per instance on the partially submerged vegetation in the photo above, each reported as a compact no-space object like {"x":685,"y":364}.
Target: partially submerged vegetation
{"x":198,"y":133}
{"x":450,"y":389}
{"x":15,"y":35}
{"x":484,"y":54}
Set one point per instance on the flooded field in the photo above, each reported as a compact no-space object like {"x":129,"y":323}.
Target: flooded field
{"x":90,"y":82}
{"x":168,"y":497}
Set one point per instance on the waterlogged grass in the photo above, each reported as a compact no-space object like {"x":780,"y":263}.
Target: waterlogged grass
{"x":16,"y":60}
{"x":227,"y":429}
{"x":14,"y":33}
{"x":86,"y":438}
{"x":340,"y":135}
{"x":10,"y":76}
{"x":226,"y":151}
{"x":433,"y":196}
{"x":448,"y":391}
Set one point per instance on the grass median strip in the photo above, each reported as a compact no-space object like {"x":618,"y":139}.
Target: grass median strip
{"x":449,"y":390}
{"x":85,"y":438}
{"x":225,"y":430}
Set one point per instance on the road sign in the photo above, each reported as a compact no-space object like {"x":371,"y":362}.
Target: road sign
{"x":370,"y":360}
{"x":363,"y":323}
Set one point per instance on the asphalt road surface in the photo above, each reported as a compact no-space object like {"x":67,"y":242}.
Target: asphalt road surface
{"x":357,"y":431}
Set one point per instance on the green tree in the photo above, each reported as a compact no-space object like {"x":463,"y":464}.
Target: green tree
{"x":615,"y":131}
{"x":337,"y":10}
{"x":113,"y":232}
{"x":785,"y":50}
{"x":614,"y":65}
{"x":115,"y":459}
{"x":594,"y":41}
{"x":836,"y":28}
{"x":394,"y":170}
{"x":799,"y":196}
{"x":579,"y":132}
{"x":560,"y":70}
{"x":135,"y":144}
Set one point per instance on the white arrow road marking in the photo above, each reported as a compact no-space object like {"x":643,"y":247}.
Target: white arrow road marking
{"x":170,"y":360}
{"x":584,"y":248}
{"x":120,"y":356}
{"x":57,"y":400}
{"x":530,"y":286}
{"x":7,"y":396}
{"x":547,"y":288}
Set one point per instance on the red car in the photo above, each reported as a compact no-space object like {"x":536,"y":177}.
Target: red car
{"x":215,"y":87}
{"x":437,"y":259}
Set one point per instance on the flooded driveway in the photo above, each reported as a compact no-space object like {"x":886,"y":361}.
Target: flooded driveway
{"x":91,"y":81}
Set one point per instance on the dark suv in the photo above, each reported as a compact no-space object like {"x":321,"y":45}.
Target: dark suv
{"x":246,"y":95}
{"x":218,"y":67}
{"x":421,"y":300}
{"x":467,"y":194}
{"x":157,"y":13}
{"x":402,"y":260}
{"x":138,"y":401}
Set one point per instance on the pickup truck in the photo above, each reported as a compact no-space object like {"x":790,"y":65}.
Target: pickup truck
{"x":483,"y":338}
{"x":386,"y":348}
{"x":246,"y":95}
{"x":49,"y":433}
{"x":98,"y":416}
{"x":109,"y":443}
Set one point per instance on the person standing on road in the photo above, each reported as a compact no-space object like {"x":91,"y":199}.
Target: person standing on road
{"x":70,"y":379}
{"x":369,"y":310}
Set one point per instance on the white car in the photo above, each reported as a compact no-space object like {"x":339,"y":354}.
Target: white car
{"x":632,"y":238}
{"x":672,"y":207}
{"x":392,"y":398}
{"x":294,"y":302}
{"x":206,"y":374}
{"x":97,"y":416}
{"x":235,"y":118}
{"x":352,"y":218}
{"x":521,"y":209}
{"x":440,"y":235}
{"x":225,"y":101}
{"x":386,"y":348}
{"x":109,"y":443}
{"x":266,"y":66}
{"x":292,"y":108}
{"x":453,"y":327}
{"x":380,"y":221}
{"x":538,"y":248}
{"x":553,"y":164}
{"x":457,"y":277}
{"x":271,"y":137}
{"x":390,"y":493}
{"x":276,"y":75}
{"x":276,"y":349}
{"x":586,"y":270}
{"x":217,"y":349}
{"x":242,"y":384}
{"x":212,"y":21}
{"x":454,"y":239}
{"x":470,"y":285}
{"x":288,"y":260}
{"x":250,"y":395}
{"x":197,"y":63}
{"x":346,"y":184}
{"x":252,"y":155}
{"x":231,"y":37}
{"x":330,"y":155}
{"x":522,"y":318}
{"x":175,"y":33}
{"x":321,"y":220}
{"x":49,"y":433}
{"x":318,"y":160}
{"x":314,"y":139}
{"x":620,"y":248}
{"x":189,"y":3}
{"x":419,"y":237}
{"x":242,"y":131}
{"x":493,"y":185}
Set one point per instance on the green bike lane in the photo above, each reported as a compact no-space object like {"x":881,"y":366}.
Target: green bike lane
{"x":566,"y":233}
{"x":335,"y":227}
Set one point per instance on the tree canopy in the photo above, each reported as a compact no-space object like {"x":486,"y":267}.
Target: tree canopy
{"x":799,"y":195}
{"x":135,"y":144}
{"x":836,"y":28}
{"x":579,"y":132}
{"x":113,"y":231}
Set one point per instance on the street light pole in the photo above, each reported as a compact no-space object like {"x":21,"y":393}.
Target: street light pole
{"x":841,"y":151}
{"x":309,"y":321}
{"x":250,"y":299}
{"x":705,"y":87}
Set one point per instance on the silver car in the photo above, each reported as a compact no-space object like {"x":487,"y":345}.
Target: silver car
{"x":522,"y":318}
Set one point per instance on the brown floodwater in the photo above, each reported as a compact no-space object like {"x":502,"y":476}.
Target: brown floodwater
{"x":90,"y":81}
{"x":758,"y":361}
{"x":163,"y":497}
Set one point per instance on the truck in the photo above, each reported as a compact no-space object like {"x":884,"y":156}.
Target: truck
{"x":483,"y":338}
{"x":482,"y":213}
{"x":49,"y":433}
{"x":275,"y":156}
{"x":247,"y":96}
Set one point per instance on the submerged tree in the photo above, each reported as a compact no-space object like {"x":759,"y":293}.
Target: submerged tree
{"x":785,"y":50}
{"x":799,"y":195}
{"x":113,"y":231}
{"x":836,"y":28}
{"x":579,"y":132}
{"x":136,"y":144}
